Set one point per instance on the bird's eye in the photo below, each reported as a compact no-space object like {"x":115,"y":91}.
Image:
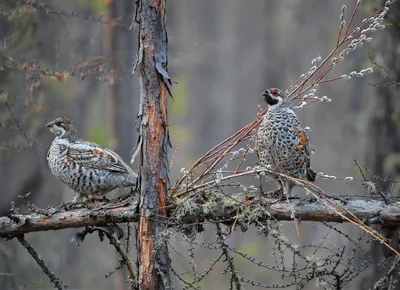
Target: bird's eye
{"x":58,"y":123}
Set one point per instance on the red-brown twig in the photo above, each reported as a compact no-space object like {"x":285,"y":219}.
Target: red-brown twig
{"x":215,"y":157}
{"x":305,"y":83}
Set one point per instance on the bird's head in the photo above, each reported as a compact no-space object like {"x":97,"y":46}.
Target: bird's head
{"x":62,"y":127}
{"x":274,"y":96}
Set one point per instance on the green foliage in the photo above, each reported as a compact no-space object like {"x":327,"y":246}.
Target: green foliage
{"x":181,"y":133}
{"x":392,"y":161}
{"x":190,"y":279}
{"x":180,"y":103}
{"x":96,"y":5}
{"x":24,"y":41}
{"x":397,"y":115}
{"x":99,"y":134}
{"x":177,"y":110}
{"x":250,"y":248}
{"x":391,"y":164}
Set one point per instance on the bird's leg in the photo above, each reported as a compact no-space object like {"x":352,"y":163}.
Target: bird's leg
{"x":124,"y":196}
{"x":275,"y":193}
{"x":262,"y":194}
{"x":279,"y":193}
{"x":290,"y":189}
{"x":95,"y":200}
{"x":286,"y":190}
{"x":260,"y":189}
{"x":102,"y":198}
{"x":79,"y":199}
{"x":76,"y":202}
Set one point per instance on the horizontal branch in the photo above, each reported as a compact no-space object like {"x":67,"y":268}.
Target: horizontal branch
{"x":56,"y":219}
{"x":227,"y":209}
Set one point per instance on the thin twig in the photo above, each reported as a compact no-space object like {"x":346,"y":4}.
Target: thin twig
{"x":235,"y":279}
{"x":79,"y":237}
{"x":56,"y":281}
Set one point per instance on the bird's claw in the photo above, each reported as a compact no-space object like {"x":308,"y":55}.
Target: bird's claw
{"x":68,"y":205}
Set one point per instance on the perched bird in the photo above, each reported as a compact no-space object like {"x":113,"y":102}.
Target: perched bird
{"x":281,"y":142}
{"x":87,"y":168}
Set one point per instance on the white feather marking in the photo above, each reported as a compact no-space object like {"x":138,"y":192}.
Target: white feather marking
{"x":85,"y":146}
{"x":61,"y":141}
{"x":290,"y":110}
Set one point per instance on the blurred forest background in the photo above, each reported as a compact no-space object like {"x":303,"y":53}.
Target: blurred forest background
{"x":222,"y":54}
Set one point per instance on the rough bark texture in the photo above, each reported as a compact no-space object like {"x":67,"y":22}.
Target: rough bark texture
{"x":154,"y":261}
{"x":225,"y":210}
{"x":56,"y":219}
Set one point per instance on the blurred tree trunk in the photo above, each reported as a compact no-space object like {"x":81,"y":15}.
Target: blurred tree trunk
{"x":154,"y":261}
{"x":119,"y":43}
{"x":384,"y":138}
{"x":112,"y":54}
{"x":120,"y":51}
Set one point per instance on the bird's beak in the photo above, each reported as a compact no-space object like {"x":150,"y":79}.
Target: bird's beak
{"x":265,"y":94}
{"x":49,"y":125}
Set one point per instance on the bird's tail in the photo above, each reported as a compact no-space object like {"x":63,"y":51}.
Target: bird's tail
{"x":311,"y":174}
{"x":114,"y":229}
{"x":130,"y":180}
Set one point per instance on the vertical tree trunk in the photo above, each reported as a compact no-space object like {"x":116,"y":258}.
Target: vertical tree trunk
{"x":154,"y":260}
{"x":383,"y":137}
{"x":383,"y":130}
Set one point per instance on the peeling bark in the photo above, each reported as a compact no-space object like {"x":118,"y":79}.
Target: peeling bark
{"x":154,"y":262}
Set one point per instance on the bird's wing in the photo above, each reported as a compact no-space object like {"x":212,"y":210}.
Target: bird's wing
{"x":303,"y":147}
{"x":95,"y":156}
{"x":303,"y":143}
{"x":310,"y":172}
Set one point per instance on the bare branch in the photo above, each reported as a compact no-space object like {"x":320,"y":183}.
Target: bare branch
{"x":79,"y":237}
{"x":235,"y":279}
{"x":55,"y":219}
{"x":224,"y":210}
{"x":56,"y":281}
{"x":382,"y":283}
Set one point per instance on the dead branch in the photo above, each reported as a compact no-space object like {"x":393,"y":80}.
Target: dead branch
{"x":124,"y":261}
{"x":154,"y":261}
{"x":56,"y":281}
{"x":226,"y":210}
{"x":235,"y":280}
{"x":56,"y":219}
